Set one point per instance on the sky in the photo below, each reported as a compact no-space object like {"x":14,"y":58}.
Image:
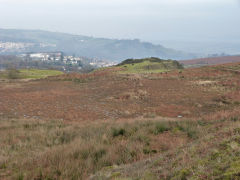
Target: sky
{"x":181,"y":24}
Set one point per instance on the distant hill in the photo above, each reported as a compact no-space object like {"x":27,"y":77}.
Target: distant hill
{"x":20,"y":41}
{"x":148,"y":65}
{"x":210,"y":61}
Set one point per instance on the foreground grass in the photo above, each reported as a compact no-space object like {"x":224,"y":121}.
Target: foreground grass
{"x":54,"y":150}
{"x":214,"y":154}
{"x":197,"y":149}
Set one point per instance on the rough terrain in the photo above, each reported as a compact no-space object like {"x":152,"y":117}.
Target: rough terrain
{"x":100,"y":125}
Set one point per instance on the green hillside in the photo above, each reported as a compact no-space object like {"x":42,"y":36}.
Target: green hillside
{"x":149,"y":65}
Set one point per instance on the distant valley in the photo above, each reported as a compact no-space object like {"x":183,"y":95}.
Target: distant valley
{"x":21,"y":41}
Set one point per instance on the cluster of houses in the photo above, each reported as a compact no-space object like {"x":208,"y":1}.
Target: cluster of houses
{"x":102,"y":63}
{"x":68,"y":60}
{"x":53,"y":57}
{"x":72,"y":60}
{"x":45,"y":56}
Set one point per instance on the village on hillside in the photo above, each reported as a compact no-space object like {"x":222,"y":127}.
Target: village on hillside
{"x":68,"y":60}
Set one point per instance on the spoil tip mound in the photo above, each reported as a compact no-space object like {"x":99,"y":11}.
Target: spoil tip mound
{"x":149,"y":65}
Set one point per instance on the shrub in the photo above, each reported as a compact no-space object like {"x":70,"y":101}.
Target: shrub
{"x":99,"y":154}
{"x":3,"y":166}
{"x":234,"y":119}
{"x":141,"y":138}
{"x":183,"y":174}
{"x":189,"y":128}
{"x":20,"y":177}
{"x":84,"y":153}
{"x":13,"y":74}
{"x":118,"y":132}
{"x":66,"y":137}
{"x":191,"y":133}
{"x":160,"y":128}
{"x":202,"y":123}
{"x":146,"y":151}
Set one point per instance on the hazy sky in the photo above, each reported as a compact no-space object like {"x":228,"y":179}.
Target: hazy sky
{"x":150,"y":20}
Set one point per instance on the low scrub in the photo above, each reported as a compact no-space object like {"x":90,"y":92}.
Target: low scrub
{"x":60,"y":151}
{"x":212,"y":152}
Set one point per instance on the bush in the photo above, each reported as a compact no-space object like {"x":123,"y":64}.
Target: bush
{"x":191,"y":133}
{"x":20,"y":177}
{"x":118,"y":132}
{"x":13,"y":74}
{"x":99,"y":154}
{"x":160,"y":128}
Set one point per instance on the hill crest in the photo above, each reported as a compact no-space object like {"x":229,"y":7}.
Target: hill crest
{"x":100,"y":48}
{"x":210,"y":61}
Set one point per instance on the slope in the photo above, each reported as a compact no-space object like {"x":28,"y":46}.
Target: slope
{"x":102,"y":48}
{"x":210,"y":61}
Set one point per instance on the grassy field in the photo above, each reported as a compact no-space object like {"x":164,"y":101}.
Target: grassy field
{"x":28,"y":74}
{"x":184,"y":124}
{"x":38,"y":73}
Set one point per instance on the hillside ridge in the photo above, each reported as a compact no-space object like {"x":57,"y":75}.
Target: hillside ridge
{"x":211,"y":61}
{"x":101,"y":48}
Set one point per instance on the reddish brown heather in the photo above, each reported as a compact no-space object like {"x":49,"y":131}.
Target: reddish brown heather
{"x":75,"y":125}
